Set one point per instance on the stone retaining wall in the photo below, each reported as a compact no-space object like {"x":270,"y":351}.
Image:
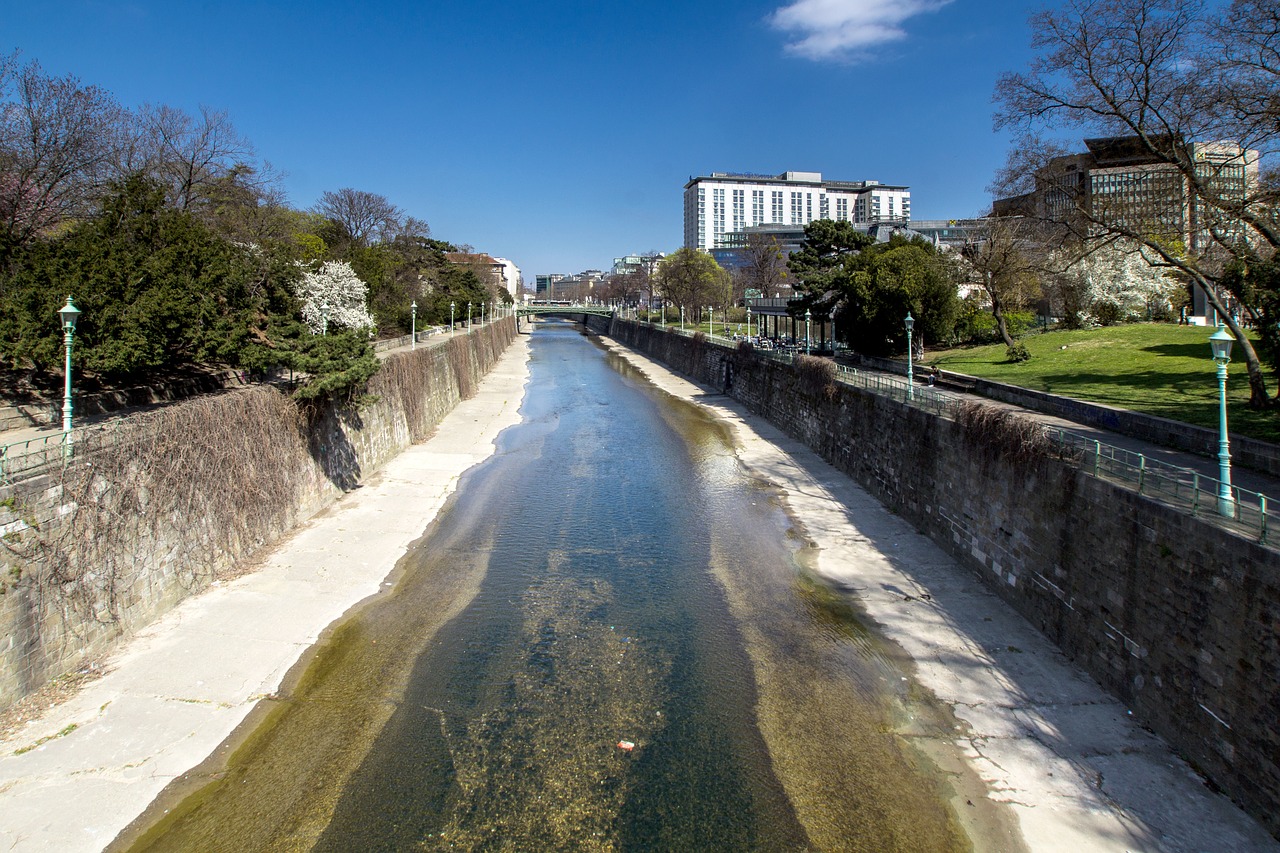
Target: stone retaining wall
{"x":1176,"y":616}
{"x":65,"y":603}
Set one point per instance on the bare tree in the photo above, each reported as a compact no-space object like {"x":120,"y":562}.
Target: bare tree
{"x":57,"y":141}
{"x":363,"y":215}
{"x":413,"y":227}
{"x":763,"y":268}
{"x":1001,"y":260}
{"x":190,"y":154}
{"x":1166,"y":75}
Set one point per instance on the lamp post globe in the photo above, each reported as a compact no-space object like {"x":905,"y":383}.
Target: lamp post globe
{"x":910,"y":324}
{"x":1220,"y":343}
{"x":68,"y":313}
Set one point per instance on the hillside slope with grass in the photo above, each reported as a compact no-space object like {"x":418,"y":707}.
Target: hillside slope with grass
{"x":1156,"y":368}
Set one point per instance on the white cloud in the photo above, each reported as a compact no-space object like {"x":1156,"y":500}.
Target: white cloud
{"x":845,"y":29}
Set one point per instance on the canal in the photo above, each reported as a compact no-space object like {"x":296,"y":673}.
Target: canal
{"x":609,"y":640}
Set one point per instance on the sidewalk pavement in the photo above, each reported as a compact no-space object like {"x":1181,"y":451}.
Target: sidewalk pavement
{"x":74,"y":778}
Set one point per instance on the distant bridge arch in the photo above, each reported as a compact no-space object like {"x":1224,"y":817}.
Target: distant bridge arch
{"x":561,"y":309}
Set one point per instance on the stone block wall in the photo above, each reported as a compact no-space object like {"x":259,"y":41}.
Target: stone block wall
{"x":1176,"y":616}
{"x":88,"y":558}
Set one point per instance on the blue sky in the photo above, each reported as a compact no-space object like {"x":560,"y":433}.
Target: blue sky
{"x":560,"y":135}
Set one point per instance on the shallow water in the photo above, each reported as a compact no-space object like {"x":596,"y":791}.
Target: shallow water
{"x":611,"y":575}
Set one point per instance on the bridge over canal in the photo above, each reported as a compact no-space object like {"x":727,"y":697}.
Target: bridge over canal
{"x":573,"y":310}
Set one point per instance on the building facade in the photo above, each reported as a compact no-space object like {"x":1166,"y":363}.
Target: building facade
{"x":724,"y":204}
{"x":545,"y":285}
{"x":645,"y":262}
{"x":510,"y":277}
{"x":1117,"y":180}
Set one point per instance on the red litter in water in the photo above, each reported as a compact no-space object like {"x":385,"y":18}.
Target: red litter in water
{"x":626,"y":745}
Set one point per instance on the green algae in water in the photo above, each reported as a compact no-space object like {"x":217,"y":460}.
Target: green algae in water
{"x":596,"y":620}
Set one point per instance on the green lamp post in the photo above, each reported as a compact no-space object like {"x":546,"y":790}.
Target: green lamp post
{"x":1220,"y":342}
{"x":910,"y":322}
{"x":69,"y":313}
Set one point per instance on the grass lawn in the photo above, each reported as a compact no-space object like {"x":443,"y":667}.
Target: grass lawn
{"x":1160,"y":369}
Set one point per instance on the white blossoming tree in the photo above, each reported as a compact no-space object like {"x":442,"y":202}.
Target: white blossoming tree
{"x":1122,"y":285}
{"x":334,"y":288}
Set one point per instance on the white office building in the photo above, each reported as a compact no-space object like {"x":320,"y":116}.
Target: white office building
{"x":510,"y":277}
{"x":726,"y":203}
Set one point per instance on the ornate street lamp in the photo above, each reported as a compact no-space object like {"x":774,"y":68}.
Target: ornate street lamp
{"x":749,"y":333}
{"x":413,"y":328}
{"x":1220,"y":342}
{"x":452,"y":306}
{"x":324,"y":318}
{"x":910,"y":322}
{"x":69,"y":314}
{"x":468,"y":316}
{"x":808,"y":317}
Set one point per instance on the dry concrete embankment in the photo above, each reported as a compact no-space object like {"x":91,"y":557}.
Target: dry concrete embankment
{"x":171,"y":500}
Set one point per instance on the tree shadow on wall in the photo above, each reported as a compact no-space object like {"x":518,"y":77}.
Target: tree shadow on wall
{"x":332,"y":450}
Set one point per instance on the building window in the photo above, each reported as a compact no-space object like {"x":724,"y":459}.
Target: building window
{"x":757,"y":207}
{"x":777,"y":207}
{"x":717,"y":217}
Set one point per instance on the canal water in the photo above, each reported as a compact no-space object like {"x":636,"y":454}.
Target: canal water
{"x":608,"y":640}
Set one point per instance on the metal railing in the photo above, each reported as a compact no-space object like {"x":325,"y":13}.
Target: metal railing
{"x":1181,"y":488}
{"x":1172,"y":485}
{"x":387,"y":344}
{"x":22,"y":460}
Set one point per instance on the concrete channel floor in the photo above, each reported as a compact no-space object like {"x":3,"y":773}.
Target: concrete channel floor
{"x":1075,"y":770}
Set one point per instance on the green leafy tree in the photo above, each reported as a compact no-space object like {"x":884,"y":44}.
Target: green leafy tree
{"x":693,"y":279}
{"x":160,"y":290}
{"x":868,"y":287}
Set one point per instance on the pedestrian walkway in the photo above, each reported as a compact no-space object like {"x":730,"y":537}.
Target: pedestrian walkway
{"x":1245,"y":478}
